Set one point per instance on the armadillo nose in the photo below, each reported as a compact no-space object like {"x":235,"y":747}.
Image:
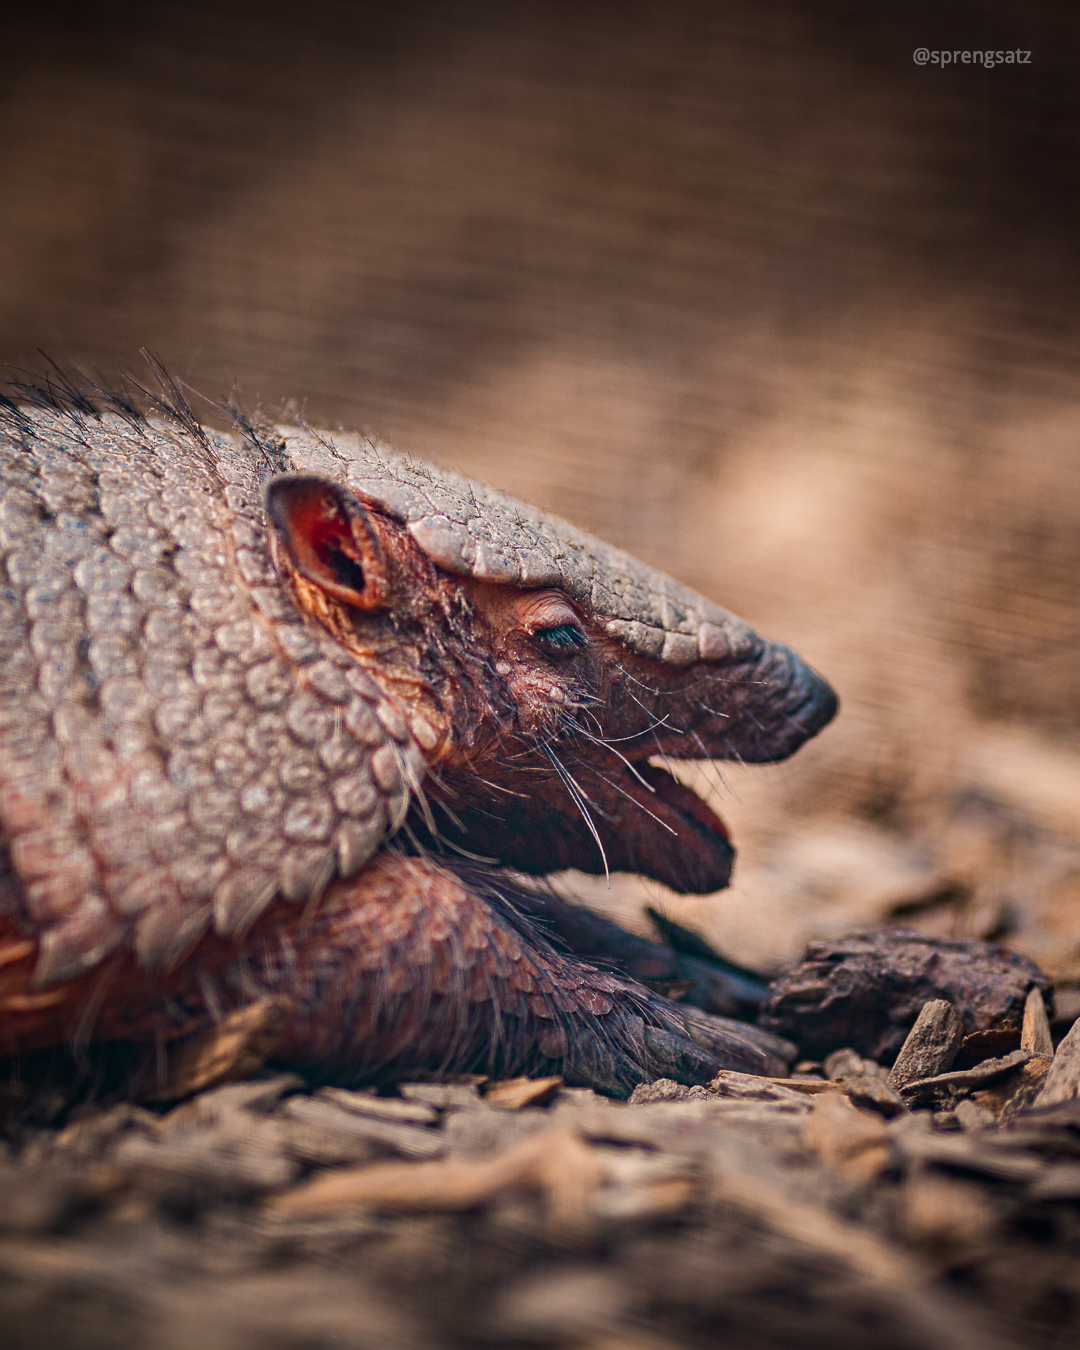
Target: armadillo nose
{"x":820,"y":703}
{"x":797,"y":703}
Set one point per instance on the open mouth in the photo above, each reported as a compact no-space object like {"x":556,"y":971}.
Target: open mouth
{"x":667,"y":832}
{"x":594,"y":815}
{"x":683,"y":800}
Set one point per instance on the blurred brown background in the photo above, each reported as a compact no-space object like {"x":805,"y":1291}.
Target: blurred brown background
{"x":739,"y":287}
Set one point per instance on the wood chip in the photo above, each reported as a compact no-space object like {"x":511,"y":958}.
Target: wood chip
{"x":1058,"y":1115}
{"x":95,"y":1132}
{"x":667,"y":1090}
{"x":971,"y":1116}
{"x":966,"y":1152}
{"x":444,"y":1096}
{"x":951,"y":1218}
{"x":898,"y":1280}
{"x":320,"y":1132}
{"x":867,"y":1089}
{"x":749,"y":1087}
{"x":1063,"y":1080}
{"x":844,"y":1137}
{"x":863,"y":990}
{"x":229,"y":1103}
{"x":945,"y":1087}
{"x":848,"y":1063}
{"x":556,"y":1307}
{"x":516,"y":1093}
{"x":233,"y":1048}
{"x":1060,"y":1181}
{"x":205,"y":1162}
{"x":931,"y":1044}
{"x":1035,"y":1034}
{"x":990,"y":1044}
{"x":841,"y":1062}
{"x":554,"y":1162}
{"x":1015,"y":1094}
{"x":380,"y":1108}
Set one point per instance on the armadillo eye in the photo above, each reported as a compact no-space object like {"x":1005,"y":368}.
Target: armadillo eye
{"x":562,"y":641}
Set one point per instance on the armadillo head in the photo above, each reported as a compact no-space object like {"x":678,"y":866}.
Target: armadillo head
{"x":546,"y":676}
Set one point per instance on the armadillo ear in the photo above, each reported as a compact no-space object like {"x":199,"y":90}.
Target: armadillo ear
{"x":328,"y":538}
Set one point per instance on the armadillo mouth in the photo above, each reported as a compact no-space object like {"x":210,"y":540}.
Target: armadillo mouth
{"x":616,"y":817}
{"x":675,"y":837}
{"x":683,"y":800}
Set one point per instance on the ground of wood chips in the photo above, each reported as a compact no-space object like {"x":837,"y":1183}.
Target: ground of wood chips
{"x":752,"y":1213}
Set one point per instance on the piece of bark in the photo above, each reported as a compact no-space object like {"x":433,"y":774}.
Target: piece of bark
{"x":931,"y":1044}
{"x":1057,"y":1116}
{"x":555,"y":1162}
{"x":1044,"y":1131}
{"x":944,"y":1088}
{"x":749,"y":1087}
{"x":842,"y":1062}
{"x":868,"y":1262}
{"x":965,"y":1152}
{"x":38,"y":1200}
{"x":945,"y":1217}
{"x":208,"y":1164}
{"x":480,"y":1133}
{"x":971,"y":1116}
{"x":990,"y":1044}
{"x":516,"y":1093}
{"x":318,"y":1132}
{"x":379,"y":1108}
{"x":846,"y":1138}
{"x":848,"y":1063}
{"x":559,"y":1307}
{"x":1016,"y":1094}
{"x":216,"y":1105}
{"x":866,"y":990}
{"x":1063,"y":1080}
{"x":443,"y":1096}
{"x":667,"y":1090}
{"x":231,"y":1049}
{"x":867,"y":1089}
{"x":1035,"y":1034}
{"x":101,"y":1128}
{"x":1060,"y":1181}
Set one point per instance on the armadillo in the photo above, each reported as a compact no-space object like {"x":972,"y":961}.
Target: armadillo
{"x":288,"y":713}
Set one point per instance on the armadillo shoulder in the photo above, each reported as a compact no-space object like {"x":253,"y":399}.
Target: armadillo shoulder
{"x":178,"y":746}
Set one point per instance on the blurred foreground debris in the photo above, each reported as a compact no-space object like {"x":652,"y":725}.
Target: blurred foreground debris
{"x":932,"y":1207}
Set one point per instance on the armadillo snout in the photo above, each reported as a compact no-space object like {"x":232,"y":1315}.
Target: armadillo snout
{"x":788,"y":703}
